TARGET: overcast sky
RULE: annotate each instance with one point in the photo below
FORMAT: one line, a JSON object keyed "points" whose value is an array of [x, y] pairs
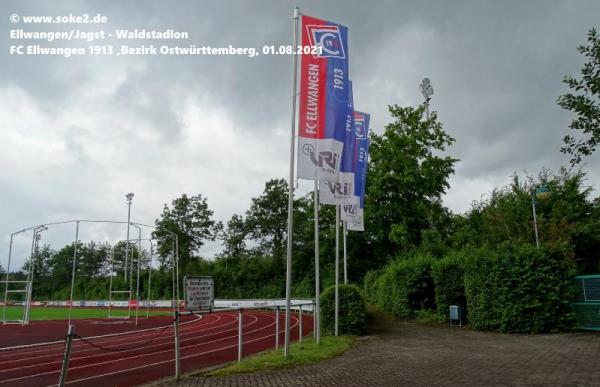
{"points": [[77, 134]]}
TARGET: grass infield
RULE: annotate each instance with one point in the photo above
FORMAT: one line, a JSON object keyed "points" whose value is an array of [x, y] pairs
{"points": [[50, 313], [301, 354]]}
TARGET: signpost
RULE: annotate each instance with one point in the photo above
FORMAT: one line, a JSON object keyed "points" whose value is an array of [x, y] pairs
{"points": [[199, 292]]}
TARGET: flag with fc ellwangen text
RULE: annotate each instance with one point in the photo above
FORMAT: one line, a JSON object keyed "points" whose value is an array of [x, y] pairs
{"points": [[342, 191], [324, 97], [353, 213]]}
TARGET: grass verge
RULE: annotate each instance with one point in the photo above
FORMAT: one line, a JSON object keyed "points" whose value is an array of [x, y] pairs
{"points": [[49, 313], [301, 354]]}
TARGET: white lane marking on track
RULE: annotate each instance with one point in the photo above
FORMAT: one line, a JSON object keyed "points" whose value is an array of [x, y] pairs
{"points": [[78, 344], [135, 357], [62, 342], [99, 354], [184, 357], [140, 356]]}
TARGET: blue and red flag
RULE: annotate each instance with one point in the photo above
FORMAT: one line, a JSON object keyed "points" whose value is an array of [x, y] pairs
{"points": [[353, 212], [342, 191], [324, 99]]}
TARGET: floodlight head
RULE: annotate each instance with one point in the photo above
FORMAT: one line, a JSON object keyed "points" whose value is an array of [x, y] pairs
{"points": [[39, 229], [426, 88], [129, 196]]}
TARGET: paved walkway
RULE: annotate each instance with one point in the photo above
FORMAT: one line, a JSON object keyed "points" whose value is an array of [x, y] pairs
{"points": [[402, 353]]}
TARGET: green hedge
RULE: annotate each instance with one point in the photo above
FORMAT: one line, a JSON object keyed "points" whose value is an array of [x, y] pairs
{"points": [[448, 276], [513, 288], [404, 287], [370, 283], [352, 312], [521, 289]]}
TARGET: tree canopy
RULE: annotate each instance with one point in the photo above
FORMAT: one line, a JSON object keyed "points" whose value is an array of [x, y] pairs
{"points": [[266, 220], [584, 101], [191, 220], [407, 173]]}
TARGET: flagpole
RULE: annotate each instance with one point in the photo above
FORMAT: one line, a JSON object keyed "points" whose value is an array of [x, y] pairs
{"points": [[317, 312], [288, 277], [337, 268], [345, 231]]}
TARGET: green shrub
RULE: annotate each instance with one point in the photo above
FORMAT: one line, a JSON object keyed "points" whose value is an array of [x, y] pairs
{"points": [[449, 279], [521, 289], [382, 287], [370, 286], [481, 280], [405, 287], [352, 310], [432, 243], [305, 288]]}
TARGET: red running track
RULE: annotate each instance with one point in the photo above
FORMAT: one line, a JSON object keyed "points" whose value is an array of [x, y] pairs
{"points": [[204, 342], [46, 331]]}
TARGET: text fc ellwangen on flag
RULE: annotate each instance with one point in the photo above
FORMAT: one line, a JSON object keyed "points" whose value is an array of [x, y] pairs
{"points": [[333, 140]]}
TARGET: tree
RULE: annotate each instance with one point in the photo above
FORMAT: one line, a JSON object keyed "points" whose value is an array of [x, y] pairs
{"points": [[116, 263], [189, 218], [41, 260], [61, 263], [43, 283], [94, 259], [266, 220], [234, 237], [405, 179], [567, 219], [585, 102]]}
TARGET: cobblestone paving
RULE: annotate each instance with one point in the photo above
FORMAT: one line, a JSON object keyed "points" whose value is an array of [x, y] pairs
{"points": [[406, 354]]}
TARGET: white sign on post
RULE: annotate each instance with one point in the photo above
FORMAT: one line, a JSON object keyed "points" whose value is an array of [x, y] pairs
{"points": [[199, 292]]}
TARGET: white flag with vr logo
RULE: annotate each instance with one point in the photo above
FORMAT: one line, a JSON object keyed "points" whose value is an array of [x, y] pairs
{"points": [[353, 211]]}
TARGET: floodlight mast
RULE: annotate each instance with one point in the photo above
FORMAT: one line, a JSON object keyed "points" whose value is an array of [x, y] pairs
{"points": [[133, 255], [139, 256], [129, 197], [149, 279], [427, 91]]}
